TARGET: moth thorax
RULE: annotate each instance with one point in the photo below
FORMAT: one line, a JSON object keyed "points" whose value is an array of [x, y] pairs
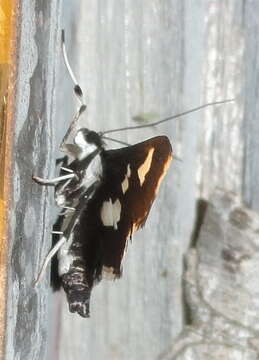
{"points": [[87, 141]]}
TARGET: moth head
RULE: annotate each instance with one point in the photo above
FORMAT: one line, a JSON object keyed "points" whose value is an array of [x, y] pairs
{"points": [[87, 141]]}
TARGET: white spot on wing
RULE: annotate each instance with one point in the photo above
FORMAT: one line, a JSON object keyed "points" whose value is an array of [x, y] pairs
{"points": [[110, 213], [125, 183], [107, 273], [145, 167]]}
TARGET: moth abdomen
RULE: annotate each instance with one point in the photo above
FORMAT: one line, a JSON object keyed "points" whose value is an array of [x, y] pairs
{"points": [[78, 290]]}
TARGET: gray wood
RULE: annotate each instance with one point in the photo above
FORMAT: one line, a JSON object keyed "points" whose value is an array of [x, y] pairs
{"points": [[131, 57], [220, 284], [30, 218], [249, 90]]}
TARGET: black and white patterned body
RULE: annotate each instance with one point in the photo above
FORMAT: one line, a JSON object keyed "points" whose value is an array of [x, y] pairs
{"points": [[110, 197]]}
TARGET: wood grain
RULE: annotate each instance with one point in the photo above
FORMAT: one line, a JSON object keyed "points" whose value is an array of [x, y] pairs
{"points": [[220, 285], [9, 12]]}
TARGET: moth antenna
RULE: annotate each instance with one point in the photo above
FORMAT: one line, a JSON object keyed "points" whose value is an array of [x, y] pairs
{"points": [[77, 88], [177, 158], [48, 258], [167, 118], [114, 140]]}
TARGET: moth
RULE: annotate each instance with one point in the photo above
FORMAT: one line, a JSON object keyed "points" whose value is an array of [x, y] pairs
{"points": [[105, 196]]}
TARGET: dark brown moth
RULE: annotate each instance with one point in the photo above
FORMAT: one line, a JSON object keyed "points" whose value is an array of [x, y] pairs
{"points": [[105, 196]]}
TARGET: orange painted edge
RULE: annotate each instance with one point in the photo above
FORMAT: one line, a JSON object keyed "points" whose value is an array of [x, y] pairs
{"points": [[6, 203]]}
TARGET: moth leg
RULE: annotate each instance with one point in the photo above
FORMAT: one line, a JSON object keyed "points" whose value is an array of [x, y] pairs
{"points": [[66, 169], [79, 94], [53, 181], [67, 211], [58, 245], [69, 208], [48, 258]]}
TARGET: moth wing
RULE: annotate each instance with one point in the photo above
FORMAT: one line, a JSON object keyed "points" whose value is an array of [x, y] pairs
{"points": [[121, 204]]}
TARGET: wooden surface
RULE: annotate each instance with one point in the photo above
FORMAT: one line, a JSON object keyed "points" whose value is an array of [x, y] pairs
{"points": [[9, 12], [30, 220], [220, 286], [131, 57]]}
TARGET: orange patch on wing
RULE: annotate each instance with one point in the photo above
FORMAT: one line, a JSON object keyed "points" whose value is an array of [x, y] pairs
{"points": [[145, 167], [135, 227]]}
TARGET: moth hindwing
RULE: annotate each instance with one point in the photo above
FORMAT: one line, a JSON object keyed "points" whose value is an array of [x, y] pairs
{"points": [[105, 196]]}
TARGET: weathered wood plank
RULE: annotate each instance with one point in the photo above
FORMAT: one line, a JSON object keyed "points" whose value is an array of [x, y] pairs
{"points": [[8, 66], [30, 216], [250, 95], [220, 285]]}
